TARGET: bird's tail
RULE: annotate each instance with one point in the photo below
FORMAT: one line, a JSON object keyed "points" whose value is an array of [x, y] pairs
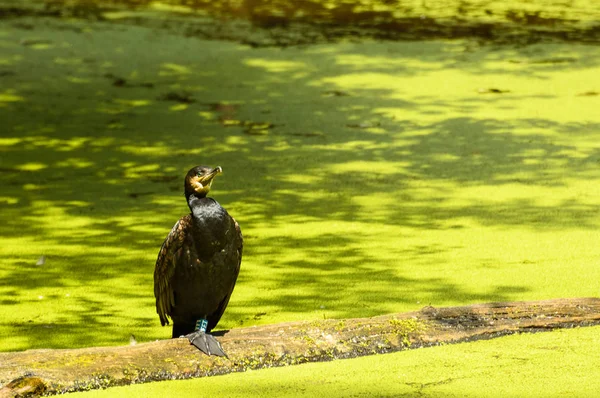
{"points": [[206, 343]]}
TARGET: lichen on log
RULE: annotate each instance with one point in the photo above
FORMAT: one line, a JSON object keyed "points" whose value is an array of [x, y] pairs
{"points": [[37, 372]]}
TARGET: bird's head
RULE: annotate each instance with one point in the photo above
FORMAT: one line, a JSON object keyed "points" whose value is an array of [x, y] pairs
{"points": [[199, 179]]}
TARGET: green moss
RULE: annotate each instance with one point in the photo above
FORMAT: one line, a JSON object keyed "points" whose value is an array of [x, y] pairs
{"points": [[308, 339], [341, 325], [406, 328]]}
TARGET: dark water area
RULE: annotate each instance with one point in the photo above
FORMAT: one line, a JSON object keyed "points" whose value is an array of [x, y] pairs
{"points": [[280, 23]]}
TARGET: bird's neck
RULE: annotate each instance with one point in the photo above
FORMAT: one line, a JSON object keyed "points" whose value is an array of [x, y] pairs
{"points": [[202, 207], [192, 195], [210, 224], [196, 201]]}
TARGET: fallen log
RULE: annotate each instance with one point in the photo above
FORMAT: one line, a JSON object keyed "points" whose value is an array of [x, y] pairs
{"points": [[37, 372]]}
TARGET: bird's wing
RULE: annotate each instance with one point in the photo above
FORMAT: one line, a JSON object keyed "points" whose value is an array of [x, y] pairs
{"points": [[165, 267], [214, 318], [241, 245]]}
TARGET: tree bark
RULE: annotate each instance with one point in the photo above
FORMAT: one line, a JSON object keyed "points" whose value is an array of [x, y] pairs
{"points": [[36, 372]]}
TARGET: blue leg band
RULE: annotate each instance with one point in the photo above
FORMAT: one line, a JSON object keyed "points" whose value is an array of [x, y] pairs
{"points": [[201, 325]]}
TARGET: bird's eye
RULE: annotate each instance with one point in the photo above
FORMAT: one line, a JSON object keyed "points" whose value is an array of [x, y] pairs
{"points": [[199, 175]]}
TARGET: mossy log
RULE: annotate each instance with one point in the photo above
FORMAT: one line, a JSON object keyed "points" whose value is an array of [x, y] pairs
{"points": [[37, 372]]}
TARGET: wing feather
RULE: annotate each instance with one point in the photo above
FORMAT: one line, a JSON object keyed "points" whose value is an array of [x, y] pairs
{"points": [[214, 318], [165, 268]]}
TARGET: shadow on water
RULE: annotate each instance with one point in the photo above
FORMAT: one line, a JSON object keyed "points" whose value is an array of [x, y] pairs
{"points": [[94, 148], [285, 23]]}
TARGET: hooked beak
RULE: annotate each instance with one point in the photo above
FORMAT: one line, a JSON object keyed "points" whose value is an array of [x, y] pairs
{"points": [[207, 178]]}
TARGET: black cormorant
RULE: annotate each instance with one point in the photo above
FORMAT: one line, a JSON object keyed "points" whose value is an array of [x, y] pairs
{"points": [[198, 265]]}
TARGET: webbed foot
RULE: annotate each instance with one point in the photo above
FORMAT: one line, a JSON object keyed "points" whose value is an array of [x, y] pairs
{"points": [[206, 343]]}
